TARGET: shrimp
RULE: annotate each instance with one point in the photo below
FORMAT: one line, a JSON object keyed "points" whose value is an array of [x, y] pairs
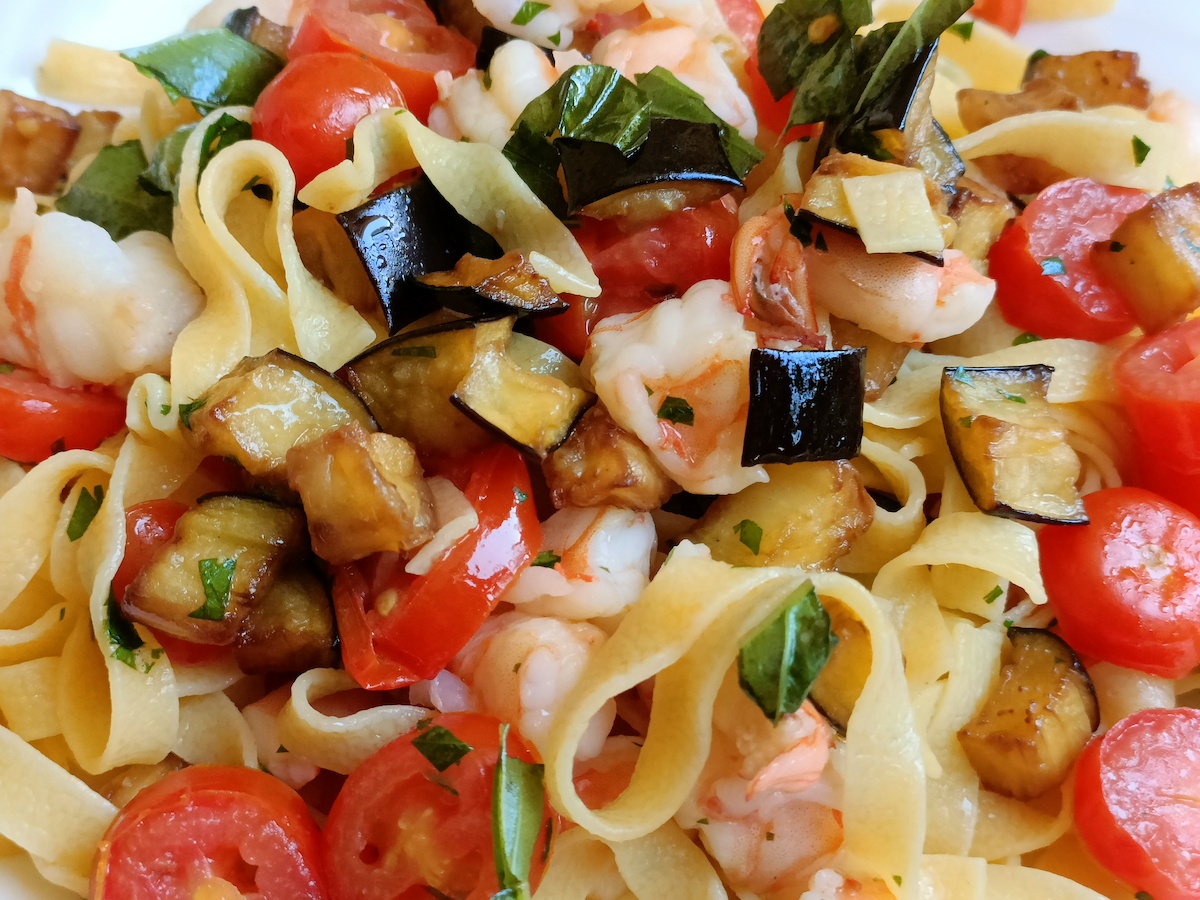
{"points": [[100, 312], [830, 884], [899, 297], [1175, 109], [520, 668], [764, 804], [263, 718], [677, 376], [604, 563], [694, 60]]}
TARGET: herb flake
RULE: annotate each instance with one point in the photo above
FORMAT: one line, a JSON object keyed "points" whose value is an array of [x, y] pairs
{"points": [[123, 639], [750, 534], [529, 11], [963, 30], [547, 559], [216, 575], [677, 410], [1140, 150], [1053, 265], [441, 747], [993, 595], [86, 507], [187, 410], [1027, 338]]}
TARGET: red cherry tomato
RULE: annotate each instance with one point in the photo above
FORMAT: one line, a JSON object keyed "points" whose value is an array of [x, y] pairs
{"points": [[1135, 801], [1006, 14], [1046, 281], [227, 822], [400, 827], [401, 37], [641, 264], [38, 419], [1159, 381], [310, 109], [398, 628], [1126, 587]]}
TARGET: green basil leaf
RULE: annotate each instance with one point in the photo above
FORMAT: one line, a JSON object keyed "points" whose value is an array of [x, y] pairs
{"points": [[224, 132], [441, 747], [529, 11], [777, 665], [787, 50], [163, 172], [187, 410], [123, 639], [677, 410], [536, 161], [85, 510], [217, 577], [211, 68], [110, 193], [670, 98], [518, 800]]}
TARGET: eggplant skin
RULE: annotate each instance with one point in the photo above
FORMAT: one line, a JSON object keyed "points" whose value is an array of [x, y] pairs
{"points": [[805, 405]]}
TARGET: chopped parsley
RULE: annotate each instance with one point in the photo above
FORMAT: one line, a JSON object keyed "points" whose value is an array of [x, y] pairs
{"points": [[86, 508], [1140, 150], [962, 376], [520, 495], [122, 637], [750, 534], [7, 368], [1027, 338], [966, 421], [1036, 56], [677, 410], [547, 559], [994, 594], [216, 575], [555, 39], [1008, 623], [1012, 398], [963, 29], [899, 881], [529, 11], [187, 410], [1053, 265], [441, 747]]}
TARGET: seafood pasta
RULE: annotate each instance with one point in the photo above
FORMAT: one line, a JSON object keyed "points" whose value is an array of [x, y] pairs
{"points": [[601, 450]]}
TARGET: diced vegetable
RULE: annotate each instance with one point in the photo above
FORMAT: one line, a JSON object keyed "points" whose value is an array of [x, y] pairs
{"points": [[290, 628], [1154, 258], [883, 357], [363, 493], [258, 29], [979, 108], [267, 405], [111, 194], [1034, 725], [981, 214], [505, 286], [226, 554], [601, 464], [805, 405], [1097, 77], [838, 686], [807, 516], [36, 140], [1007, 445]]}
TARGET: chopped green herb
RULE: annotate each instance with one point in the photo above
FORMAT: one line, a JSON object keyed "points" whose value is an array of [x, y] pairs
{"points": [[123, 639], [518, 798], [1008, 623], [85, 510], [520, 495], [529, 11], [703, 821], [899, 880], [225, 132], [547, 559], [110, 193], [1116, 247], [750, 534], [1037, 55], [251, 184], [1140, 150], [1169, 183], [162, 172], [426, 352], [962, 376], [994, 594], [441, 747], [486, 79], [1012, 398], [165, 409], [187, 410], [7, 368], [424, 724], [555, 39], [1027, 338], [963, 29], [677, 410], [966, 421], [778, 664], [217, 577], [1053, 265]]}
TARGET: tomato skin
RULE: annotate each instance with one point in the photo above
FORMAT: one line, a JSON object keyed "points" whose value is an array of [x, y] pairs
{"points": [[641, 264], [1126, 587], [432, 616], [35, 417], [1133, 801], [395, 829], [311, 107], [226, 821], [1159, 384], [353, 26], [1006, 14], [1064, 222]]}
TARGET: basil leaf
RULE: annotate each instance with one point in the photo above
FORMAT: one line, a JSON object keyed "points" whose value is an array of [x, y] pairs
{"points": [[217, 577], [750, 534], [790, 44], [123, 639], [670, 98], [211, 68], [163, 172], [529, 11], [110, 193], [224, 132], [777, 665], [827, 88], [441, 747], [535, 160], [518, 799], [85, 510], [187, 410], [677, 410]]}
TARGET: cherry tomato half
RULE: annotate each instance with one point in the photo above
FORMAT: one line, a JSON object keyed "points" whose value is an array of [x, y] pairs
{"points": [[1159, 381], [38, 419], [310, 109], [398, 628], [1126, 587], [1135, 805], [203, 822], [1006, 14], [401, 37], [1046, 281], [400, 826]]}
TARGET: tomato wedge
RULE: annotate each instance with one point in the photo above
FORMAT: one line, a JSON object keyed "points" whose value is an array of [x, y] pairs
{"points": [[401, 37], [206, 822], [1126, 586], [1006, 14], [38, 419], [398, 628], [402, 826], [1135, 801], [1159, 381], [1046, 281]]}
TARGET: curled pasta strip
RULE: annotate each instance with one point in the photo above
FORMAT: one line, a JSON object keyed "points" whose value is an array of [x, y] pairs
{"points": [[212, 731], [890, 533]]}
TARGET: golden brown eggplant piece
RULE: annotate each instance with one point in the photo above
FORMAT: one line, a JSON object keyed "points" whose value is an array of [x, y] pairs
{"points": [[290, 628], [1035, 723], [841, 681], [883, 360], [981, 214], [36, 141], [1097, 77]]}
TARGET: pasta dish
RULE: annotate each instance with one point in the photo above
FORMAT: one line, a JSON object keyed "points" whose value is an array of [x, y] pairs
{"points": [[601, 449]]}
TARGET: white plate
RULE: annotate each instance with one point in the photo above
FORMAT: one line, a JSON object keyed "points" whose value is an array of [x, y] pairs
{"points": [[1165, 32]]}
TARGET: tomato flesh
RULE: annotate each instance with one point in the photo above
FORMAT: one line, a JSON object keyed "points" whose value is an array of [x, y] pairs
{"points": [[38, 419], [234, 823], [311, 107], [1046, 280], [1126, 587], [1135, 807], [1006, 14], [400, 827]]}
